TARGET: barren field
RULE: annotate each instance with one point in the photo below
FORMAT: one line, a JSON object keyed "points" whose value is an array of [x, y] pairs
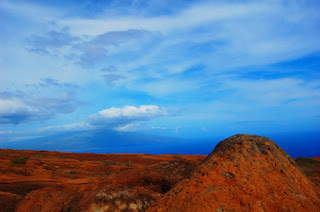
{"points": [[42, 180], [56, 181]]}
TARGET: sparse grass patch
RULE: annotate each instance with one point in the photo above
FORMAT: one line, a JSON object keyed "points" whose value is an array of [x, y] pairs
{"points": [[312, 175], [128, 163], [38, 156], [73, 172], [177, 157], [56, 167], [108, 173], [60, 156], [308, 164], [307, 161], [18, 161], [109, 163]]}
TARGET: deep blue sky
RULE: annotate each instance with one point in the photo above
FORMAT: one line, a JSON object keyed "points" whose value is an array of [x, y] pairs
{"points": [[184, 69]]}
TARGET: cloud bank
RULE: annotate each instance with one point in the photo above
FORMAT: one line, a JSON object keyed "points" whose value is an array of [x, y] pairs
{"points": [[16, 108], [120, 117]]}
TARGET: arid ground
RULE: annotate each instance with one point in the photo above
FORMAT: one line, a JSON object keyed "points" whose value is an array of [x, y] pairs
{"points": [[56, 181], [70, 181]]}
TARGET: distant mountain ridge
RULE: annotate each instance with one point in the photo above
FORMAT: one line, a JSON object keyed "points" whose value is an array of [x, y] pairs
{"points": [[303, 144], [95, 141]]}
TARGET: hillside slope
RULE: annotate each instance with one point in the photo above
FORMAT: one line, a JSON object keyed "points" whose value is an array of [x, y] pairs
{"points": [[243, 173]]}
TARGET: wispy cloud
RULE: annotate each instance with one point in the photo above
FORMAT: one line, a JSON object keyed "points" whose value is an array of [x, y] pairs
{"points": [[52, 40], [192, 16], [16, 108], [109, 69], [220, 36], [121, 117], [106, 44], [29, 11], [274, 92], [111, 79], [50, 82], [66, 128]]}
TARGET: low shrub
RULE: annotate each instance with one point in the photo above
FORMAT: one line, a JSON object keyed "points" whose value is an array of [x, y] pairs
{"points": [[18, 161], [38, 156], [128, 163], [45, 166], [109, 163]]}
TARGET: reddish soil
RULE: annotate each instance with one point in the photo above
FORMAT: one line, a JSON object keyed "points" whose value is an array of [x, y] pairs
{"points": [[244, 173], [55, 181]]}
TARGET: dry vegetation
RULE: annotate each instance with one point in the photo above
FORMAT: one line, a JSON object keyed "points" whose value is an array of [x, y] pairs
{"points": [[80, 182]]}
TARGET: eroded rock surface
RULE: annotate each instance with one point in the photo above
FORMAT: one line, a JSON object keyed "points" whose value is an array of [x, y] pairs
{"points": [[243, 173]]}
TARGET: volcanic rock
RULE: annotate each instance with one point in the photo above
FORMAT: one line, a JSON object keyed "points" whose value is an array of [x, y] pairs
{"points": [[243, 173]]}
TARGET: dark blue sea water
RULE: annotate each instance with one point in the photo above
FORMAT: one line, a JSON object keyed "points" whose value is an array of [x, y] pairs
{"points": [[306, 144], [297, 145]]}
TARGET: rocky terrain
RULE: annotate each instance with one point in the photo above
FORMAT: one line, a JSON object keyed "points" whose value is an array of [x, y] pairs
{"points": [[55, 181], [243, 173]]}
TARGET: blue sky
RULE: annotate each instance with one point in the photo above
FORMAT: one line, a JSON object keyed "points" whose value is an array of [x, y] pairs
{"points": [[185, 69]]}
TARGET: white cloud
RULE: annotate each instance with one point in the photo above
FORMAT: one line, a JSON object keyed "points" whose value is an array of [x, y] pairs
{"points": [[14, 111], [67, 127], [167, 87], [273, 92], [193, 16], [122, 117], [30, 11], [220, 36], [16, 108], [249, 33], [128, 128]]}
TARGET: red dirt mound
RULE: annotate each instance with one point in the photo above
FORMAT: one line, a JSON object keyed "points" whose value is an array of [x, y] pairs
{"points": [[243, 173]]}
